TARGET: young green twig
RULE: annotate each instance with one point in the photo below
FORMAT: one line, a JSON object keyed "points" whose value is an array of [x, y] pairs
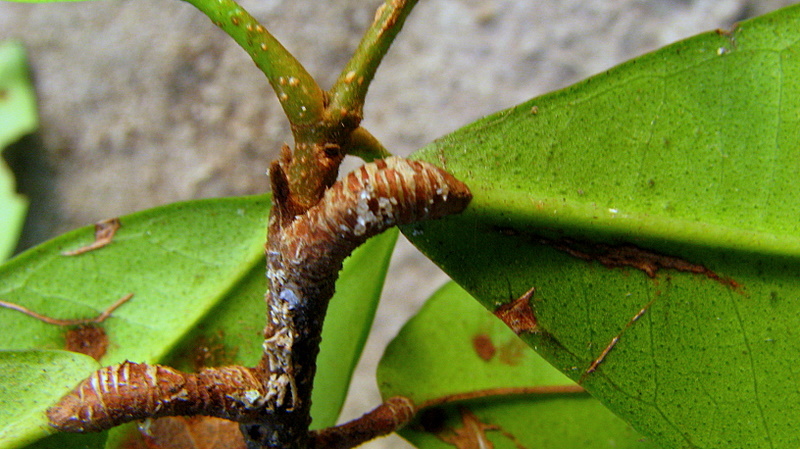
{"points": [[301, 98], [349, 91], [323, 129], [366, 146]]}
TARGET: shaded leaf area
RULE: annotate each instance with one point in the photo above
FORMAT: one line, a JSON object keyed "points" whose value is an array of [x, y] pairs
{"points": [[18, 117], [663, 190], [31, 381], [197, 272], [454, 346]]}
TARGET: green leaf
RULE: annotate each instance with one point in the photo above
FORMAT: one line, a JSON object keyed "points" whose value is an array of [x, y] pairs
{"points": [[664, 187], [179, 261], [347, 325], [30, 382], [18, 117], [197, 272], [454, 346]]}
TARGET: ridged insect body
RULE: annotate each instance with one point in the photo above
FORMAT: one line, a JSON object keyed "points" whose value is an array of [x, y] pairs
{"points": [[304, 256], [131, 391]]}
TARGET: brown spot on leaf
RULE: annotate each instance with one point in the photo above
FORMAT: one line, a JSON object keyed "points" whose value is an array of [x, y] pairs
{"points": [[87, 339], [3, 94], [518, 314], [649, 262], [209, 350], [484, 347], [512, 352], [191, 432], [103, 234]]}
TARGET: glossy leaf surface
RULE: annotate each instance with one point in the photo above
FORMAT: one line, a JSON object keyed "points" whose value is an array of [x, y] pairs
{"points": [[197, 273], [30, 382], [663, 190], [454, 346], [18, 117]]}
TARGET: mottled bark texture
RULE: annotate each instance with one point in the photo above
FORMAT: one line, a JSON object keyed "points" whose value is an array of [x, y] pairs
{"points": [[304, 255], [388, 417], [305, 252]]}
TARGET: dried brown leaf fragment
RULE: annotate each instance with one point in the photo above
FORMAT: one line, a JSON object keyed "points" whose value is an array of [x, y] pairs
{"points": [[104, 232]]}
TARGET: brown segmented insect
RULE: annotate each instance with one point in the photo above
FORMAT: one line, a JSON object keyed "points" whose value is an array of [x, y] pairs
{"points": [[303, 263], [364, 203], [131, 391]]}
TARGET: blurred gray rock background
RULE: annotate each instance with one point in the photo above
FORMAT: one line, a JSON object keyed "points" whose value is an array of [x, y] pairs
{"points": [[145, 102]]}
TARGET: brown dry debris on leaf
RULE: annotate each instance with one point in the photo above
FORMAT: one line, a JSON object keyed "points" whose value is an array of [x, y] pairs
{"points": [[518, 314], [593, 366], [649, 262], [87, 339], [57, 322], [104, 232], [472, 433]]}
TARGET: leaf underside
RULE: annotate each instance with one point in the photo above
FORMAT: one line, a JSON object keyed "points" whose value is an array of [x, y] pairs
{"points": [[197, 272], [663, 190], [455, 346]]}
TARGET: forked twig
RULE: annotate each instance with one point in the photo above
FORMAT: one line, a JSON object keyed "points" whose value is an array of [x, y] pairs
{"points": [[350, 90], [315, 223], [304, 256]]}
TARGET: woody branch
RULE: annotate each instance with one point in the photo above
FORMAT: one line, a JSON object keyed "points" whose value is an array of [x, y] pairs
{"points": [[305, 254], [315, 223]]}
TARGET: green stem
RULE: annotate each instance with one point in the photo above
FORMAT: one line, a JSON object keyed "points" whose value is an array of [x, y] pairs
{"points": [[348, 93], [300, 96], [366, 146]]}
